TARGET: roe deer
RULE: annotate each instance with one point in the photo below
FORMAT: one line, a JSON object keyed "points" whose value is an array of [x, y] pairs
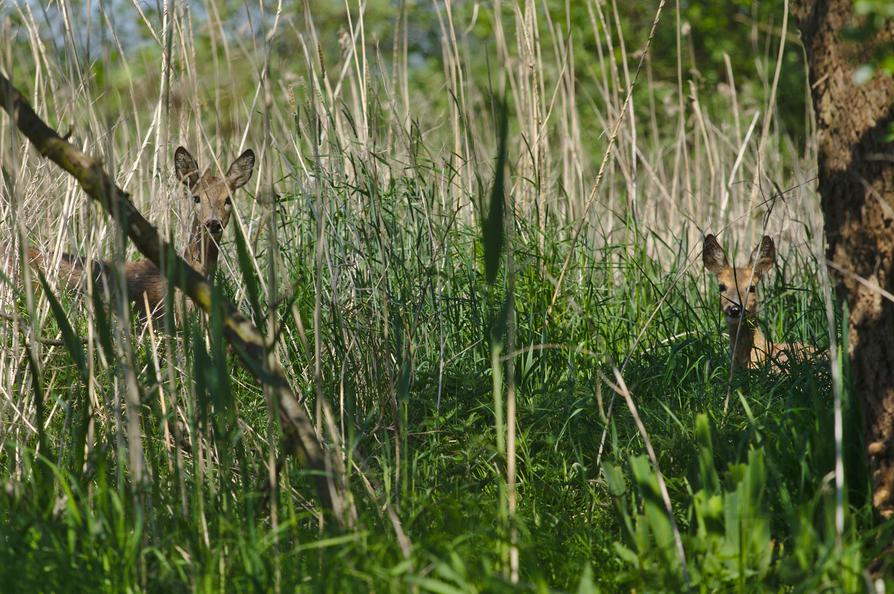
{"points": [[738, 302], [210, 198]]}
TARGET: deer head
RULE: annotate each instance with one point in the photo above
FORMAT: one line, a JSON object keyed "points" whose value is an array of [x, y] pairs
{"points": [[210, 198], [738, 286]]}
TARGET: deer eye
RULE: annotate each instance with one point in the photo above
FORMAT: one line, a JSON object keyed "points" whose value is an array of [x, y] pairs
{"points": [[228, 202], [722, 288], [196, 199], [752, 289]]}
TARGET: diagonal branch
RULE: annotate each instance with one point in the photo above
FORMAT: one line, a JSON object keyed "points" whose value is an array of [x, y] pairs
{"points": [[238, 330]]}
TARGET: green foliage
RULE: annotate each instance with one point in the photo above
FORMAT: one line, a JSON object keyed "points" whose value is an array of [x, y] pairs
{"points": [[875, 17], [731, 543], [747, 487], [394, 333], [872, 34], [745, 35]]}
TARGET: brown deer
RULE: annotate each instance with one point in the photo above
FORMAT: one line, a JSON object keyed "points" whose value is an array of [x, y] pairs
{"points": [[739, 304], [211, 199]]}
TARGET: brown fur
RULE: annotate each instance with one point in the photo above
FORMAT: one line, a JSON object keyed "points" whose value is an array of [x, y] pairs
{"points": [[739, 304], [210, 198]]}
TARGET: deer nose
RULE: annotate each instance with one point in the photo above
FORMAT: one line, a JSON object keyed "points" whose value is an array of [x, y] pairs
{"points": [[734, 310], [214, 226]]}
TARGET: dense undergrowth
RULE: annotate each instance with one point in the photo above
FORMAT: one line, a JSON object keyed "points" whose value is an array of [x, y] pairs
{"points": [[368, 258], [748, 483]]}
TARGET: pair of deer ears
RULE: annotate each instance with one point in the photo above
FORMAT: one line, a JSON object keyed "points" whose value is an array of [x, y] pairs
{"points": [[237, 175], [762, 259]]}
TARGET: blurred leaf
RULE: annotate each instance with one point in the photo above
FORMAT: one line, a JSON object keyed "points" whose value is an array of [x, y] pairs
{"points": [[39, 417], [201, 366], [246, 267], [653, 506], [493, 231], [103, 325], [436, 586], [586, 585], [626, 554], [864, 74], [707, 472], [614, 478]]}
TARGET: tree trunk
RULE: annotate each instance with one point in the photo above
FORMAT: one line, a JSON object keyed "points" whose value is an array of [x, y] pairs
{"points": [[856, 182]]}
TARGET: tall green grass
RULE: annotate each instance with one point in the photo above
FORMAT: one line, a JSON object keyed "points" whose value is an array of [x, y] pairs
{"points": [[368, 254]]}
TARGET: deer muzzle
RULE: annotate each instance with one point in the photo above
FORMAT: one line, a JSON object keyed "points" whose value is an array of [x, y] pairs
{"points": [[214, 227]]}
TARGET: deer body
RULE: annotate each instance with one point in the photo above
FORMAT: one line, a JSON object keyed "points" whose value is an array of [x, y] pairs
{"points": [[739, 304], [749, 346], [210, 197]]}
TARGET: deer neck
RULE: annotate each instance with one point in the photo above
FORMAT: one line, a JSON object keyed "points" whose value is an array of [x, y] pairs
{"points": [[202, 250], [747, 342]]}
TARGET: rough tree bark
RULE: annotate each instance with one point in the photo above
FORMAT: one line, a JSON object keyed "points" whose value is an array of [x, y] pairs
{"points": [[856, 183]]}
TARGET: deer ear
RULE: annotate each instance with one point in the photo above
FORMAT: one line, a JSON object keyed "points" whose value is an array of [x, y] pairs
{"points": [[764, 256], [240, 171], [186, 167], [713, 255]]}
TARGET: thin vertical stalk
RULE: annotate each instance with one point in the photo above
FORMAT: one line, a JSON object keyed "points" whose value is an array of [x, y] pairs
{"points": [[511, 462]]}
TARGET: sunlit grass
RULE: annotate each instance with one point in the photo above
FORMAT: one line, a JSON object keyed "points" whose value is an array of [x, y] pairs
{"points": [[364, 257]]}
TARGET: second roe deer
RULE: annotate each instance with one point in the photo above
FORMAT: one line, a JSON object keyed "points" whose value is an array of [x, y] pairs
{"points": [[739, 304], [210, 197]]}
